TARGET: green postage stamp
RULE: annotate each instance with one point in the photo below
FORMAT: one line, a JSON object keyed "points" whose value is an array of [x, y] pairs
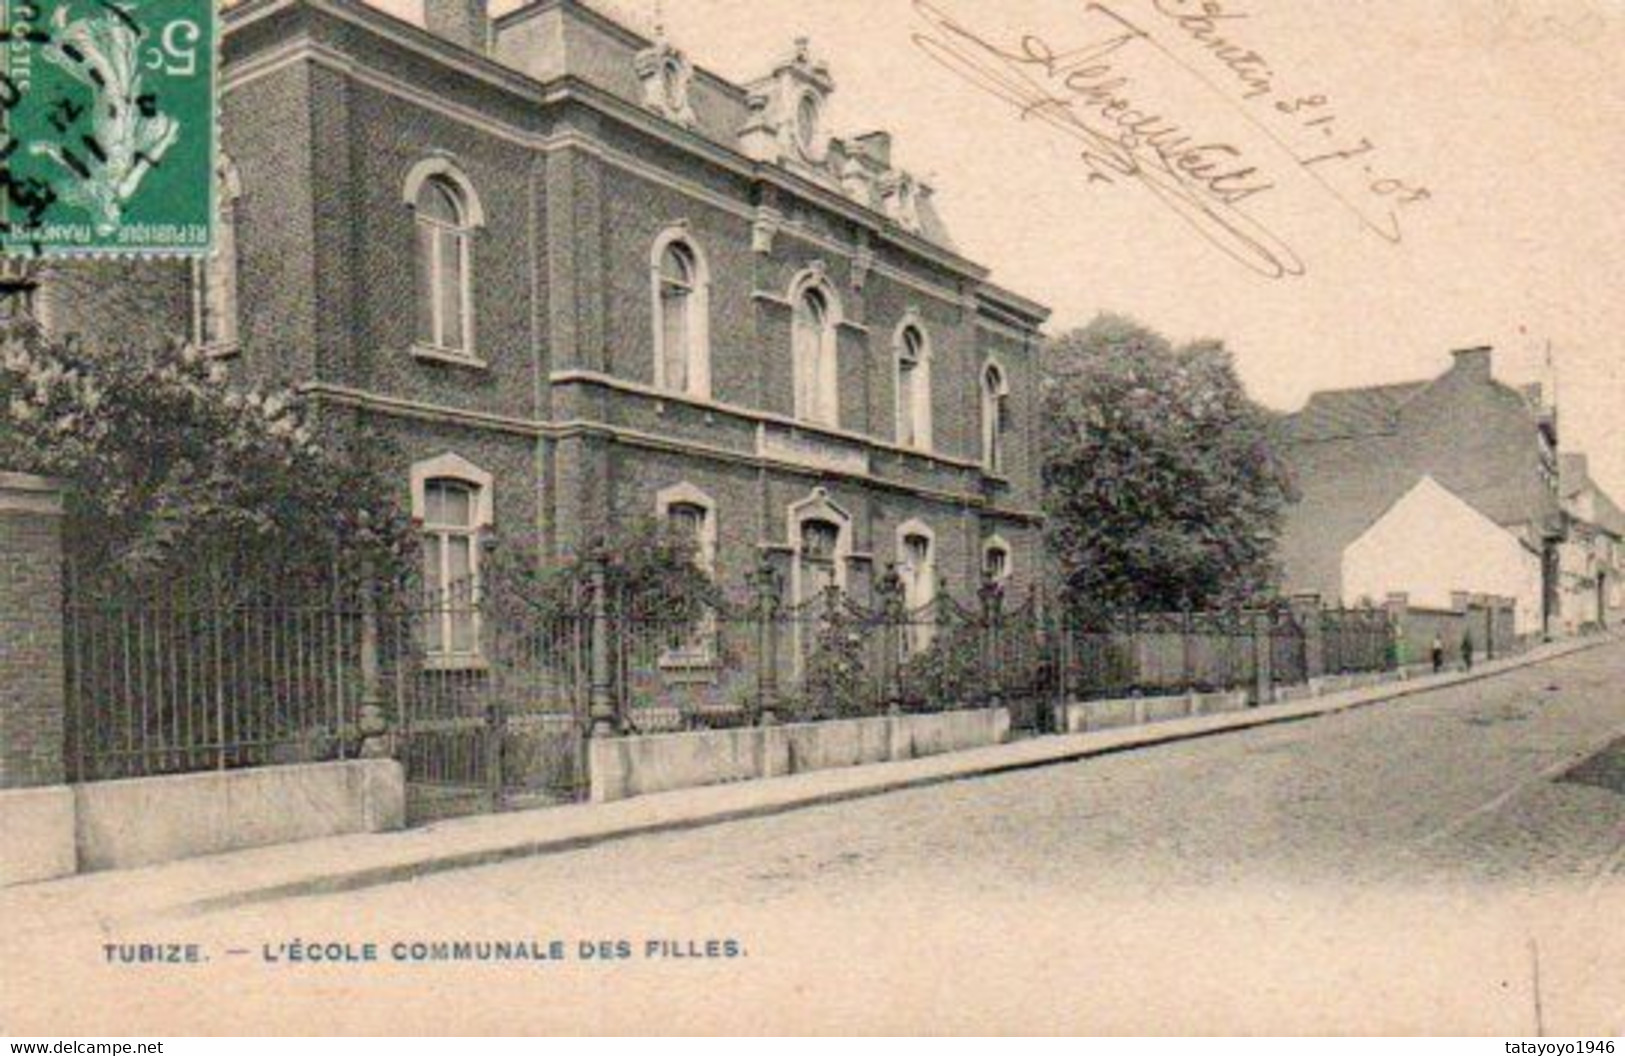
{"points": [[108, 109]]}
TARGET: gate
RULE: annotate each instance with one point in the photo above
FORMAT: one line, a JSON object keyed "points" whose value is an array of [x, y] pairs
{"points": [[1022, 665], [491, 699]]}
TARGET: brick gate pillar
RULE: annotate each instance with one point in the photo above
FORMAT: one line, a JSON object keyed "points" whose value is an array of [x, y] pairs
{"points": [[33, 698], [36, 808]]}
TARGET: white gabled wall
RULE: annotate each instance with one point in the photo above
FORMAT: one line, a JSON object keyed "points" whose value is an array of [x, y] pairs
{"points": [[1432, 543]]}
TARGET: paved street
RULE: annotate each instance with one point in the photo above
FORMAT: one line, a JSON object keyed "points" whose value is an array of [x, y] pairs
{"points": [[1449, 862]]}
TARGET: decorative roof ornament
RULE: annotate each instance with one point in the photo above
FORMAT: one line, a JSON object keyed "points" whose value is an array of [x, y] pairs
{"points": [[666, 75], [901, 195], [786, 122]]}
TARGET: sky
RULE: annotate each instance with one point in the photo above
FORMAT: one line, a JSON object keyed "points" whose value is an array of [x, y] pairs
{"points": [[1498, 122]]}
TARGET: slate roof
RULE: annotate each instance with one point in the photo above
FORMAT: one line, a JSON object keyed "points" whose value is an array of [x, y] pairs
{"points": [[1343, 413]]}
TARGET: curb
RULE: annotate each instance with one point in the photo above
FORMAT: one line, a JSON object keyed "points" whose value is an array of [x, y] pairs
{"points": [[1129, 739]]}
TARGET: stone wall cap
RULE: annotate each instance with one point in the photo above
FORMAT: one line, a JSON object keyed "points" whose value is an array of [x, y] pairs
{"points": [[28, 493]]}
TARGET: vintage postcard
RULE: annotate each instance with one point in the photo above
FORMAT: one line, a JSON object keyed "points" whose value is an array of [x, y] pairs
{"points": [[812, 516]]}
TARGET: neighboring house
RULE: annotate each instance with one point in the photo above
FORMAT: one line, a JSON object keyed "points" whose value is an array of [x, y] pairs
{"points": [[576, 279], [1357, 453], [1592, 564], [1432, 545]]}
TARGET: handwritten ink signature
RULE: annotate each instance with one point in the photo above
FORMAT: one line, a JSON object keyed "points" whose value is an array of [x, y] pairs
{"points": [[1080, 92], [1292, 117]]}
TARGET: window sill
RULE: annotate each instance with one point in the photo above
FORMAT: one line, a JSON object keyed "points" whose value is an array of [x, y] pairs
{"points": [[430, 354], [451, 662], [225, 350]]}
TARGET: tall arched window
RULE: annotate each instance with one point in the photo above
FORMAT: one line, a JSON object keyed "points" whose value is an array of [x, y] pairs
{"points": [[681, 313], [995, 412], [913, 388], [445, 231], [215, 277], [817, 364]]}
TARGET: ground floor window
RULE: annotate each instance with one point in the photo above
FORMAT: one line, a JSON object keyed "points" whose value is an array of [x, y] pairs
{"points": [[916, 567], [451, 504], [692, 516], [996, 562], [451, 566]]}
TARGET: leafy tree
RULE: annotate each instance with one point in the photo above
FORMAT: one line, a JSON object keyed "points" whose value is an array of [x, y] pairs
{"points": [[172, 469], [1161, 485]]}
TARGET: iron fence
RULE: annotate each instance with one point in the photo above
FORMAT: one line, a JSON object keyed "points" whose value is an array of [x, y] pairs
{"points": [[1149, 654], [1357, 640], [489, 693], [209, 673]]}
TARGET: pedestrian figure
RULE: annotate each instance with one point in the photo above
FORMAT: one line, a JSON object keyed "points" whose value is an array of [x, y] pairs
{"points": [[1438, 654], [1467, 650]]}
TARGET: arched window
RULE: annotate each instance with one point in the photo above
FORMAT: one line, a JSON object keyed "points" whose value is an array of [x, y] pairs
{"points": [[913, 388], [215, 277], [446, 217], [681, 313], [817, 363], [451, 502], [995, 412]]}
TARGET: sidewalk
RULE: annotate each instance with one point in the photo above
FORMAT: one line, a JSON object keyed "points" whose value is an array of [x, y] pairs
{"points": [[347, 863]]}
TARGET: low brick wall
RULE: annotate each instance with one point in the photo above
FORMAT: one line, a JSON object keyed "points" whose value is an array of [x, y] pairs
{"points": [[622, 767], [145, 820]]}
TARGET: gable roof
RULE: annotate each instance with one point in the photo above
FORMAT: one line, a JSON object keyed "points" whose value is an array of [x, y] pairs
{"points": [[1341, 413]]}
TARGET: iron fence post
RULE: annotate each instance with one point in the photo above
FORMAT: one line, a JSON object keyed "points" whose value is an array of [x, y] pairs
{"points": [[1187, 649], [991, 595], [1055, 624], [1263, 656], [601, 693], [894, 618], [371, 724], [766, 581]]}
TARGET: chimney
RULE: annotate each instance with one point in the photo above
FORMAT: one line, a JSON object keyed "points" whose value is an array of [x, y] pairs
{"points": [[464, 22], [1474, 362]]}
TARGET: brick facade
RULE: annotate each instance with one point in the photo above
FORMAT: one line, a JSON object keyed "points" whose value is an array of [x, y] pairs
{"points": [[31, 720], [329, 107], [1355, 453]]}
